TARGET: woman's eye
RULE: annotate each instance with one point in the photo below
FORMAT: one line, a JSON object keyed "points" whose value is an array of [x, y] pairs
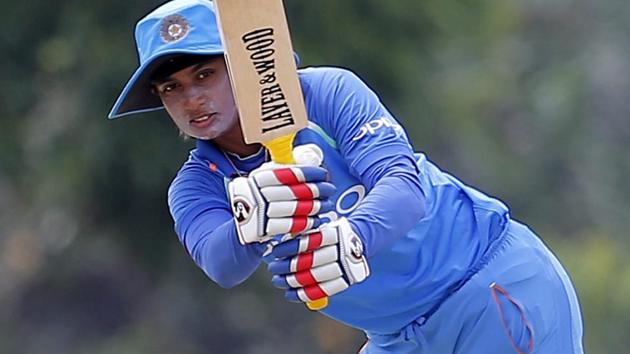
{"points": [[204, 74], [166, 88]]}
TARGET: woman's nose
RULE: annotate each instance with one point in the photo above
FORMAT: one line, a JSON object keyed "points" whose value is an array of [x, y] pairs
{"points": [[195, 97]]}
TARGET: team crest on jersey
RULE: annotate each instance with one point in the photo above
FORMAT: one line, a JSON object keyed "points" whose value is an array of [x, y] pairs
{"points": [[241, 208], [174, 28]]}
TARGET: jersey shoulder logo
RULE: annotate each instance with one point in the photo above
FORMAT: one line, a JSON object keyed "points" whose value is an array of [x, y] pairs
{"points": [[374, 126]]}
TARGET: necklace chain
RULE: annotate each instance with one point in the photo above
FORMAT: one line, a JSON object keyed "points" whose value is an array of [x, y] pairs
{"points": [[233, 165]]}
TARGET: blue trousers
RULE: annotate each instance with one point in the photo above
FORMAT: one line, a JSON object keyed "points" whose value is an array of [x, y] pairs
{"points": [[521, 302]]}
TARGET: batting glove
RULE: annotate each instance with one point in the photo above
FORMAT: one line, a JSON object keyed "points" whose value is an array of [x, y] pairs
{"points": [[320, 263], [279, 199]]}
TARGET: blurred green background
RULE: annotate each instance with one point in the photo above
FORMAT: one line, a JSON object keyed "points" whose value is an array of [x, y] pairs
{"points": [[528, 100]]}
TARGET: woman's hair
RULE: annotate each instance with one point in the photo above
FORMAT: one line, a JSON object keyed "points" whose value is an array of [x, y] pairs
{"points": [[175, 63]]}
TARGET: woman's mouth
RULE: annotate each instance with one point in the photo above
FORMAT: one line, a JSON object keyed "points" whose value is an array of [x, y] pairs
{"points": [[201, 121]]}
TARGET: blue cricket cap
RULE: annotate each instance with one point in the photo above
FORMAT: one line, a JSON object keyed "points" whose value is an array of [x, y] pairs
{"points": [[179, 27]]}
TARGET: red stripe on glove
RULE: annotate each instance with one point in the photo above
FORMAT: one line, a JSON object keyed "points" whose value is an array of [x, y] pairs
{"points": [[304, 262], [301, 191], [304, 207], [305, 278], [286, 176], [298, 225], [314, 292], [314, 241]]}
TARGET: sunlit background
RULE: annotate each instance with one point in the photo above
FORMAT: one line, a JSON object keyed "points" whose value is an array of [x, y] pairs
{"points": [[527, 100]]}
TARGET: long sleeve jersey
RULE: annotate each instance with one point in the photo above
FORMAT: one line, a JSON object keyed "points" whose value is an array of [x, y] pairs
{"points": [[424, 231]]}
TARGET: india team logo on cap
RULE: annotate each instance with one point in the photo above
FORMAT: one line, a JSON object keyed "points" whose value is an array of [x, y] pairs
{"points": [[173, 28]]}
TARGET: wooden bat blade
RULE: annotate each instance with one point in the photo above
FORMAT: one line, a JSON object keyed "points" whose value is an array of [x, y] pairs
{"points": [[262, 68]]}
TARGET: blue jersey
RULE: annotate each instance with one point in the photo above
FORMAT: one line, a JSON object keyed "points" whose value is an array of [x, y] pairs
{"points": [[425, 232]]}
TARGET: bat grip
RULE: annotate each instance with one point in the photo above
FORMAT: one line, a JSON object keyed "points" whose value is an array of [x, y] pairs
{"points": [[281, 150], [318, 304]]}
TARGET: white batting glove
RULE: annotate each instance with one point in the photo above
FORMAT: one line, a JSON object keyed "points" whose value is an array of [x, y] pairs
{"points": [[279, 199], [320, 263]]}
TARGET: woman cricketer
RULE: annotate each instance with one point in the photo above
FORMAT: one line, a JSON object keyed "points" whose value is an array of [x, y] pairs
{"points": [[419, 261]]}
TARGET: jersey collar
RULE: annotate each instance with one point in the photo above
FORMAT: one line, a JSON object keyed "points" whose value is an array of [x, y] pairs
{"points": [[208, 151]]}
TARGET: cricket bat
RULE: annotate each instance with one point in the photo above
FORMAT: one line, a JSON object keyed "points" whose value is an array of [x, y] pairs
{"points": [[264, 79]]}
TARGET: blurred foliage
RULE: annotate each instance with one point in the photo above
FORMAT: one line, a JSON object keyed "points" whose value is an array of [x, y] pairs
{"points": [[527, 100]]}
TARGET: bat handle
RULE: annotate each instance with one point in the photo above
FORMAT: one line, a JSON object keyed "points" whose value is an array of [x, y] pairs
{"points": [[318, 304], [281, 150]]}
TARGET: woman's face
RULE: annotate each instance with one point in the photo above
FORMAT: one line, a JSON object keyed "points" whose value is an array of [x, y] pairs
{"points": [[199, 100]]}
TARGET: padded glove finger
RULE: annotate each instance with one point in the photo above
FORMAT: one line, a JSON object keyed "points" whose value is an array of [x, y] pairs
{"points": [[303, 191], [316, 291], [294, 225], [304, 261], [308, 277], [305, 243], [289, 176], [298, 208]]}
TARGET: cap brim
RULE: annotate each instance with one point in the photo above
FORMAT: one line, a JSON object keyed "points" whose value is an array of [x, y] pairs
{"points": [[136, 96]]}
